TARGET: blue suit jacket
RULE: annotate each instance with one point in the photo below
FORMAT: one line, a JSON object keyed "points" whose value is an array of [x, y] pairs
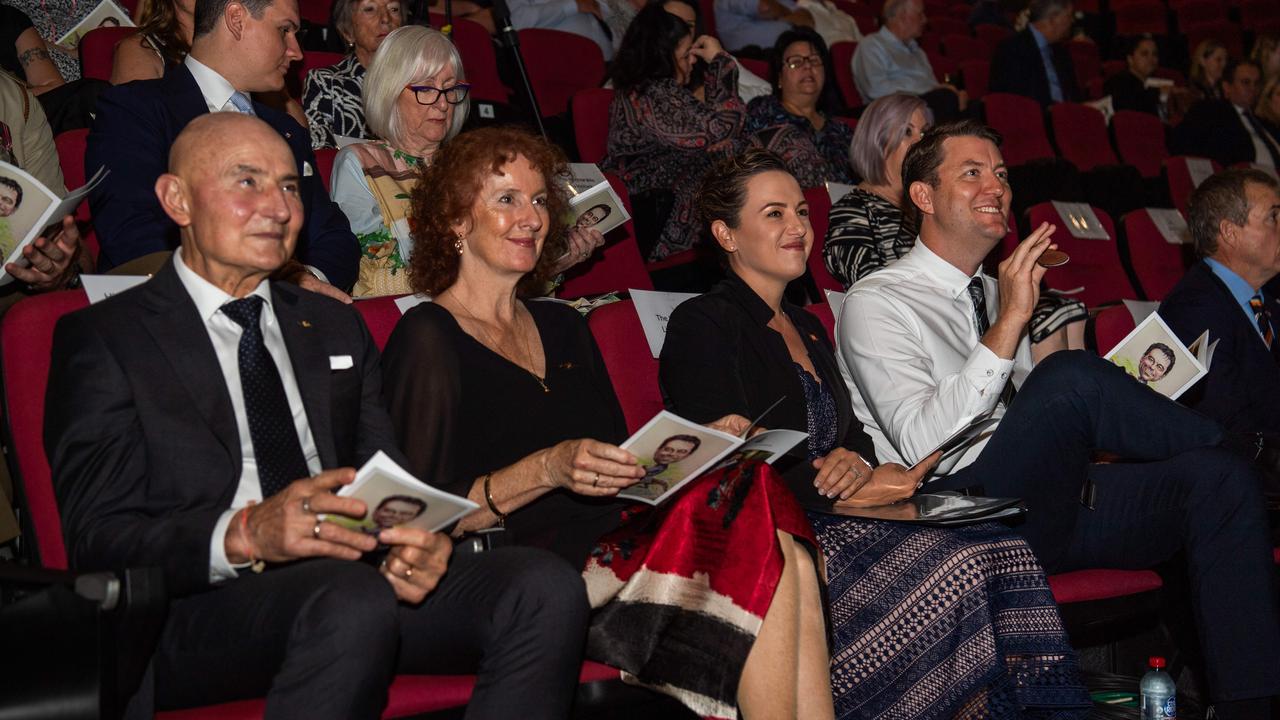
{"points": [[137, 123], [1242, 389]]}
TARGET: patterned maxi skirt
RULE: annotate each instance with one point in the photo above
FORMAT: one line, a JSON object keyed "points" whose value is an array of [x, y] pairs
{"points": [[943, 623], [679, 593]]}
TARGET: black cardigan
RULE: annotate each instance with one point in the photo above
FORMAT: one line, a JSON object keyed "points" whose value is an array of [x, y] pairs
{"points": [[720, 357]]}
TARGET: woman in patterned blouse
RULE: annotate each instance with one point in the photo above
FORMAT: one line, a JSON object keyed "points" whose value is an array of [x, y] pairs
{"points": [[415, 98], [794, 122], [663, 137], [331, 96]]}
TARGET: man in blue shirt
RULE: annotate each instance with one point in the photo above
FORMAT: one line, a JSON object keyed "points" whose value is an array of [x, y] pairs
{"points": [[580, 17], [1232, 293], [1034, 63], [891, 61]]}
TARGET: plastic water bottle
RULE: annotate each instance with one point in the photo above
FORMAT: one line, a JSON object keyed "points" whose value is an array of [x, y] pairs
{"points": [[1159, 696]]}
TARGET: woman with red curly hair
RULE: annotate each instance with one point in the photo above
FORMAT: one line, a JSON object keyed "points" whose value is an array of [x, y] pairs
{"points": [[711, 598]]}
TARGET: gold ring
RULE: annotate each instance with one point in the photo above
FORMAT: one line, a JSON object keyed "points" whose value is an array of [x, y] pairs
{"points": [[306, 504], [408, 572], [315, 531], [596, 482]]}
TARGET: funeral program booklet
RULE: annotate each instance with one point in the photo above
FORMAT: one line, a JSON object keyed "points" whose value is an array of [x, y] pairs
{"points": [[674, 451], [396, 498], [28, 210]]}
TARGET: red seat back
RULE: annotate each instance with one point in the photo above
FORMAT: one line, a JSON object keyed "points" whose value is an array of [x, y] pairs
{"points": [[380, 315], [324, 165], [1081, 132], [1095, 264], [1141, 16], [316, 11], [479, 61], [1256, 13], [1158, 263], [819, 210], [560, 64], [618, 265], [1087, 585], [26, 345], [842, 60], [1140, 139], [992, 35], [1199, 11], [632, 368], [707, 13], [1180, 182], [1086, 59], [1110, 326], [826, 316], [1224, 31], [1021, 121], [97, 50], [71, 147], [946, 25], [759, 68], [977, 77], [963, 47], [590, 109]]}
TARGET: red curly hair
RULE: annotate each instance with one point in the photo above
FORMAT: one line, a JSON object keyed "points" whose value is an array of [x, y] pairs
{"points": [[450, 187]]}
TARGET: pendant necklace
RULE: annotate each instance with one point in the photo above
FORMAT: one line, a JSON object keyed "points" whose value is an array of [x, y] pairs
{"points": [[496, 347]]}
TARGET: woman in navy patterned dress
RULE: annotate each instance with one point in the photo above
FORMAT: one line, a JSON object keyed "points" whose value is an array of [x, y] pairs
{"points": [[331, 96], [926, 622]]}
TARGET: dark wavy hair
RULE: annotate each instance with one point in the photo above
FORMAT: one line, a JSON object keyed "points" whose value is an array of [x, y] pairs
{"points": [[829, 101], [648, 48], [450, 188], [158, 26]]}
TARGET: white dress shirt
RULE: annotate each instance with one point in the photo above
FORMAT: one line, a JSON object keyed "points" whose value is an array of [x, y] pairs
{"points": [[1261, 153], [910, 354], [217, 90], [225, 334]]}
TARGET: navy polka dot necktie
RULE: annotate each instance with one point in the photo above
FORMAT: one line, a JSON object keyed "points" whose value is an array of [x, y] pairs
{"points": [[275, 439]]}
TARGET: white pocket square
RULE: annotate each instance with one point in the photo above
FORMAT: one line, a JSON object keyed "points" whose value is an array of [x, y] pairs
{"points": [[340, 362], [306, 169]]}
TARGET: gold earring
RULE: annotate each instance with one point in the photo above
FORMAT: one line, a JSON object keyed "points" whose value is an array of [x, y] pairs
{"points": [[457, 244]]}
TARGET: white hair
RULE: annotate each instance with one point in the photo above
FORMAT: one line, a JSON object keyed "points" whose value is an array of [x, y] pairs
{"points": [[407, 54]]}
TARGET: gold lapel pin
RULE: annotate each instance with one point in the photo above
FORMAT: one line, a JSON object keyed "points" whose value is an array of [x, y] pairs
{"points": [[305, 323]]}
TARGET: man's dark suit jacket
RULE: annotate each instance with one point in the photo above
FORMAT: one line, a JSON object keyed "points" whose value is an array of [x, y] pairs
{"points": [[140, 431], [1242, 390], [1213, 128], [1018, 68], [137, 123]]}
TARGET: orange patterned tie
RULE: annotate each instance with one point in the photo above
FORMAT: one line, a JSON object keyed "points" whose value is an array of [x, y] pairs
{"points": [[1263, 317]]}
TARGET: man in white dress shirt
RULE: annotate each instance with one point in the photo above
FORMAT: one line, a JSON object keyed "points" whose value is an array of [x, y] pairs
{"points": [[930, 344], [199, 423]]}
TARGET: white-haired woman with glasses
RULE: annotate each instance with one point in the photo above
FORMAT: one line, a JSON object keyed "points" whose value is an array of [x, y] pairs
{"points": [[415, 99]]}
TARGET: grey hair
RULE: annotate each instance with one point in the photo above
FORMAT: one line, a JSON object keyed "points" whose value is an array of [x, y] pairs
{"points": [[340, 15], [893, 7], [1222, 197], [1044, 9], [881, 128], [408, 53]]}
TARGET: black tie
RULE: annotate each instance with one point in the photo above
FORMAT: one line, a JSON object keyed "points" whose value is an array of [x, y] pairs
{"points": [[1267, 141], [275, 439], [978, 294]]}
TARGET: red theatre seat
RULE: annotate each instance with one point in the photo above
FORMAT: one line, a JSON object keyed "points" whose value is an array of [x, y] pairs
{"points": [[1181, 182], [1089, 585], [1222, 30], [618, 265], [380, 315], [97, 51], [1110, 326], [842, 59], [481, 62], [632, 367], [590, 110], [819, 211], [1157, 263], [977, 77], [1095, 264], [1081, 134], [560, 64], [1140, 140], [1021, 121], [964, 47], [1141, 16], [325, 158], [1086, 59]]}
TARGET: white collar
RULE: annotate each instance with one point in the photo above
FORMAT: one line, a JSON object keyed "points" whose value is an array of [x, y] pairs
{"points": [[216, 89], [208, 297], [944, 274]]}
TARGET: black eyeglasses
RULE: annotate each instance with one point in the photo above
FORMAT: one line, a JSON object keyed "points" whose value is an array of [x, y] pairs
{"points": [[798, 61], [427, 95]]}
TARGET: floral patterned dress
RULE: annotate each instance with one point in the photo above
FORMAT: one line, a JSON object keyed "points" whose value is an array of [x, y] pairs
{"points": [[372, 183]]}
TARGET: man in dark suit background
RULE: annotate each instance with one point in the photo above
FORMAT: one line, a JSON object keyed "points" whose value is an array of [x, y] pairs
{"points": [[1034, 63], [1227, 130], [1233, 219], [240, 47], [199, 422]]}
